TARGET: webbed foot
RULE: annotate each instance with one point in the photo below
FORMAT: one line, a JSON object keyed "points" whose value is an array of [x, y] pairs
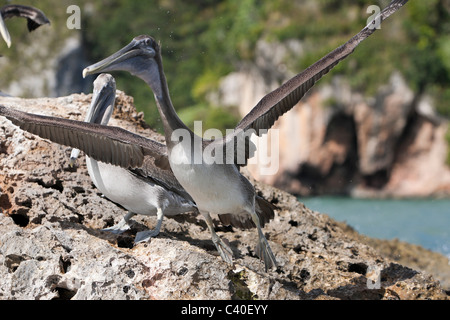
{"points": [[145, 236], [122, 226], [223, 248], [264, 252]]}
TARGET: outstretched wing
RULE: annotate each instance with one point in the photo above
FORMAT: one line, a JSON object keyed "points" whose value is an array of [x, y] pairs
{"points": [[108, 144], [281, 100]]}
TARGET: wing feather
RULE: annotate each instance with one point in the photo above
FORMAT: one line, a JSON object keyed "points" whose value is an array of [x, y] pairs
{"points": [[283, 99], [35, 17], [263, 116], [108, 144]]}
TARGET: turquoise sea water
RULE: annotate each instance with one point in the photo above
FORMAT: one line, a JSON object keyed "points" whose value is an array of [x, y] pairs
{"points": [[422, 222]]}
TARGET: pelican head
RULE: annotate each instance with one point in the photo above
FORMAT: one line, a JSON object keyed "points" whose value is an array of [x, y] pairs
{"points": [[102, 105], [141, 57]]}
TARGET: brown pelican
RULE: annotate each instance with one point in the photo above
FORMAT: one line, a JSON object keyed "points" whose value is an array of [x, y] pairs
{"points": [[35, 18], [138, 185], [137, 192], [215, 184]]}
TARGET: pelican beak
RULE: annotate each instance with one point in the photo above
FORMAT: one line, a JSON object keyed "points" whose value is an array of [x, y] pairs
{"points": [[98, 107], [4, 32], [114, 61]]}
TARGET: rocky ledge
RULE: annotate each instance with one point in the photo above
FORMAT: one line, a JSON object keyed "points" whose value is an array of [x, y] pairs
{"points": [[52, 246]]}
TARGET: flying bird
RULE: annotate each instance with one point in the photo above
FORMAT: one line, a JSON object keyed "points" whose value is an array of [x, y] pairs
{"points": [[35, 18]]}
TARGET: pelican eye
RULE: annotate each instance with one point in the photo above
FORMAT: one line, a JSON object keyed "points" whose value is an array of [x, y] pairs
{"points": [[148, 42]]}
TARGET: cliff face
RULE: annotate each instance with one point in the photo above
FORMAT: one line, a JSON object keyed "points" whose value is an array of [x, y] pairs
{"points": [[337, 141], [51, 245]]}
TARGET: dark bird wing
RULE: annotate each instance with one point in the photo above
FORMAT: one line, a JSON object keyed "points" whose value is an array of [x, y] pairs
{"points": [[35, 17], [263, 208], [108, 144], [162, 177], [275, 104]]}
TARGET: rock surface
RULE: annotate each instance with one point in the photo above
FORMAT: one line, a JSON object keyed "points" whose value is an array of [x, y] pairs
{"points": [[52, 246]]}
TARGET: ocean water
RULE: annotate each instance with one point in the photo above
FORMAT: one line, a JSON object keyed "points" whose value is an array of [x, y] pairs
{"points": [[417, 221]]}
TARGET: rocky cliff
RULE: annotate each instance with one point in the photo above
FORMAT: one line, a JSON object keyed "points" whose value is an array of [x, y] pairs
{"points": [[51, 246], [339, 141]]}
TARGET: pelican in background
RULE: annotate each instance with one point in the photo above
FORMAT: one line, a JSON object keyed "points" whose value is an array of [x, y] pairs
{"points": [[218, 186], [138, 185], [35, 18]]}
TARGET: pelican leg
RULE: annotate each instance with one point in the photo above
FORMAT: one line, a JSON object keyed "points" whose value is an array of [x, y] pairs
{"points": [[263, 250], [224, 250], [145, 236], [122, 226]]}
